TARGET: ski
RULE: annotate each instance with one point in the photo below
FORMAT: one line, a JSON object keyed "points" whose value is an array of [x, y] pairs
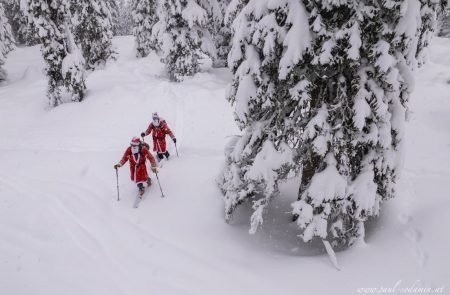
{"points": [[137, 201], [162, 162], [139, 198]]}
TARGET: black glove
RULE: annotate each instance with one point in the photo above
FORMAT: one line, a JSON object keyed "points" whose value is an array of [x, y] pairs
{"points": [[174, 140], [143, 134], [117, 166]]}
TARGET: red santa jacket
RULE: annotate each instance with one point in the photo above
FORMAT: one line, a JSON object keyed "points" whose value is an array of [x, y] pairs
{"points": [[138, 167], [159, 135]]}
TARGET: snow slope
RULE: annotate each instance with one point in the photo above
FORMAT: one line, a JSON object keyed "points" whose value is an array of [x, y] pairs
{"points": [[62, 230]]}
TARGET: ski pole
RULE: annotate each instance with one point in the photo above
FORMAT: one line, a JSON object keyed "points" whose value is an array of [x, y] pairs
{"points": [[159, 184], [117, 180], [176, 149]]}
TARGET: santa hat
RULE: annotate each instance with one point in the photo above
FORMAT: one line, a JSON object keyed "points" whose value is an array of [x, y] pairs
{"points": [[135, 141]]}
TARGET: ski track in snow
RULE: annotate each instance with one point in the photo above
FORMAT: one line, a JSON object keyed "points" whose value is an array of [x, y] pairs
{"points": [[411, 233], [63, 232]]}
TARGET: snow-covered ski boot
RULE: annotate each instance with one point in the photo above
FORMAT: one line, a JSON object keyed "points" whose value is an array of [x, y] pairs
{"points": [[141, 189]]}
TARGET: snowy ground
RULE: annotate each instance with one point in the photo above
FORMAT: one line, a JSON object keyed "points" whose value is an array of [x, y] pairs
{"points": [[63, 232]]}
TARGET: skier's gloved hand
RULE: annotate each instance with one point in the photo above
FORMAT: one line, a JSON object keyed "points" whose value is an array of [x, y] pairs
{"points": [[117, 166], [174, 140], [143, 134], [154, 170]]}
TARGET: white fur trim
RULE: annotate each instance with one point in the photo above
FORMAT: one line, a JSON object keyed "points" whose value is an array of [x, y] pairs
{"points": [[136, 165]]}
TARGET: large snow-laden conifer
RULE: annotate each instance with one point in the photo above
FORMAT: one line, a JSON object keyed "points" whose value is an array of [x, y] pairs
{"points": [[73, 68], [220, 31], [113, 7], [23, 32], [182, 29], [144, 13], [123, 22], [6, 36], [444, 23], [6, 40], [330, 80], [93, 30], [64, 62], [353, 127], [224, 14], [265, 109]]}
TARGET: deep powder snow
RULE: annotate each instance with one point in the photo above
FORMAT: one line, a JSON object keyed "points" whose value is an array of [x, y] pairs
{"points": [[62, 230]]}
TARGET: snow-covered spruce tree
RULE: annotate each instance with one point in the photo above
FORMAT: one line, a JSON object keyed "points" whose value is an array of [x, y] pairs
{"points": [[6, 35], [73, 66], [223, 36], [430, 13], [13, 13], [353, 127], [64, 63], [220, 31], [144, 13], [24, 33], [338, 90], [444, 24], [268, 37], [6, 40], [185, 37], [92, 21], [123, 22], [224, 13], [113, 7]]}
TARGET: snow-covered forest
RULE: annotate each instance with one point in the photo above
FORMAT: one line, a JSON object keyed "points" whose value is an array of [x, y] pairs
{"points": [[224, 147]]}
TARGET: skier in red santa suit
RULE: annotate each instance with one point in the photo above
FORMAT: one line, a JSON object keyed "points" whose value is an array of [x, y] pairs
{"points": [[137, 154], [159, 129]]}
